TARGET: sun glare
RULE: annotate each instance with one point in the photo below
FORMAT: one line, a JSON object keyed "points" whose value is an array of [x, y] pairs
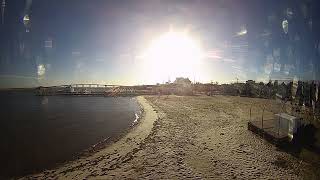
{"points": [[171, 55]]}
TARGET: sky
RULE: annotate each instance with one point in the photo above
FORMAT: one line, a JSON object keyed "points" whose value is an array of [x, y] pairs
{"points": [[105, 41]]}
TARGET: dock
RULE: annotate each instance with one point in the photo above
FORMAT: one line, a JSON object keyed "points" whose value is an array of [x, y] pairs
{"points": [[95, 90]]}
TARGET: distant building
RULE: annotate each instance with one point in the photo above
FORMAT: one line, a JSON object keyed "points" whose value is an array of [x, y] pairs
{"points": [[185, 82], [182, 86], [250, 82]]}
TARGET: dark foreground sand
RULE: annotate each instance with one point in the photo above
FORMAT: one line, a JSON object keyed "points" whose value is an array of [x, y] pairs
{"points": [[195, 137]]}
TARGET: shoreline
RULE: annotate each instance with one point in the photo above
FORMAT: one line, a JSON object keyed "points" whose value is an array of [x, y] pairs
{"points": [[191, 137], [122, 144], [110, 140], [46, 132]]}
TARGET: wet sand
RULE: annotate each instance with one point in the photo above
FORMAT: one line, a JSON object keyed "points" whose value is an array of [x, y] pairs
{"points": [[196, 137]]}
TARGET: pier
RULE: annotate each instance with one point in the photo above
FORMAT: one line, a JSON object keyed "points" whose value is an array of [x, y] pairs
{"points": [[95, 90]]}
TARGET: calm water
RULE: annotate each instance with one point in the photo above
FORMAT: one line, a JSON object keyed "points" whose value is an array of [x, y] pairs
{"points": [[37, 132]]}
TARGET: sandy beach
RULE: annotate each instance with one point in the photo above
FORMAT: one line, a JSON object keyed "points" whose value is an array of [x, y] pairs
{"points": [[195, 137]]}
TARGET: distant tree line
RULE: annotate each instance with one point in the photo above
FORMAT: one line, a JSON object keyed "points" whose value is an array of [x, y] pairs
{"points": [[302, 93]]}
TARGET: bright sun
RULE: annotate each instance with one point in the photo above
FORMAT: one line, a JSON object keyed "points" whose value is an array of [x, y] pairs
{"points": [[171, 55]]}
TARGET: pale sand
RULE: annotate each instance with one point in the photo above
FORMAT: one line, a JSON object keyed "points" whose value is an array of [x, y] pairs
{"points": [[189, 137]]}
